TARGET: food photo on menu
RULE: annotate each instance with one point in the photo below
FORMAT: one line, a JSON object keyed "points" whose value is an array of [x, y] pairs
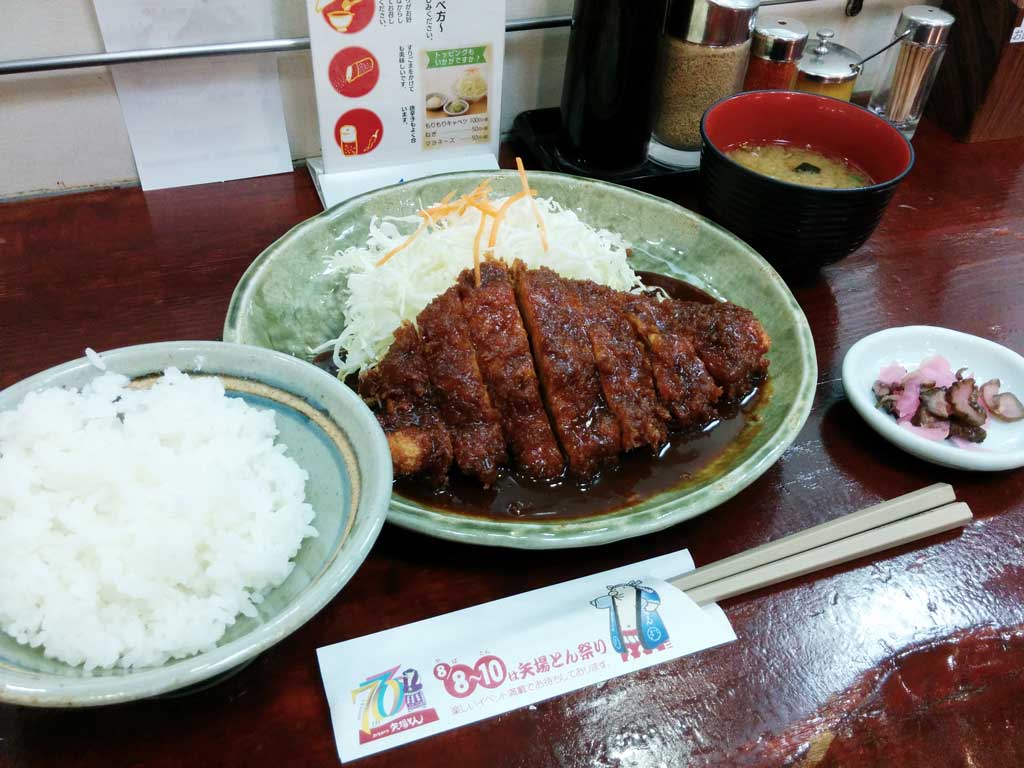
{"points": [[427, 383], [456, 105]]}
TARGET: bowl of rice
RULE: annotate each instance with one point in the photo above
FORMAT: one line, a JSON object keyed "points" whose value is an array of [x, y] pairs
{"points": [[169, 511]]}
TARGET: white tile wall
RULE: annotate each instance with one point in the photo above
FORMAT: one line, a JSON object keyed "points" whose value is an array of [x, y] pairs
{"points": [[63, 130]]}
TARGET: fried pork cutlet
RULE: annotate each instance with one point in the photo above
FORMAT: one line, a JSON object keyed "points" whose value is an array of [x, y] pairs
{"points": [[587, 430], [465, 405], [503, 354], [400, 385], [625, 373], [730, 341], [553, 372], [680, 378]]}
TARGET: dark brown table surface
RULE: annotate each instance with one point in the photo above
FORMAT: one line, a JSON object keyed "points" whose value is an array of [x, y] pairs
{"points": [[912, 657]]}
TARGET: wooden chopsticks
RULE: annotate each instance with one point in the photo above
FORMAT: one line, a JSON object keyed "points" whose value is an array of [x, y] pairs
{"points": [[889, 524]]}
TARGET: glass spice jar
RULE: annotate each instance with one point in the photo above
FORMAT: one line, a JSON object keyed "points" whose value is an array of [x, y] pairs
{"points": [[910, 67], [829, 68], [775, 48], [704, 55]]}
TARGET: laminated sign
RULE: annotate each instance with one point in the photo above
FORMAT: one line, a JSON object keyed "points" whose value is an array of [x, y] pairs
{"points": [[404, 81]]}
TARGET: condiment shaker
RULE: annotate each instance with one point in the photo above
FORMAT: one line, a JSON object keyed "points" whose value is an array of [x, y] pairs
{"points": [[703, 59], [608, 91], [776, 46], [829, 68], [910, 67]]}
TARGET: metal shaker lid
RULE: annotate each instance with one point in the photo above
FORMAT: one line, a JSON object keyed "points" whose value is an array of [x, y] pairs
{"points": [[778, 38], [712, 22], [829, 62], [926, 25]]}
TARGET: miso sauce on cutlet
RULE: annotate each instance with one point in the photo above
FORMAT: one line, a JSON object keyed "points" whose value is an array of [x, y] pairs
{"points": [[638, 476], [676, 289]]}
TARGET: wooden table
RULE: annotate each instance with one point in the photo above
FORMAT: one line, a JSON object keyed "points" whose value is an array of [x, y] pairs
{"points": [[908, 658]]}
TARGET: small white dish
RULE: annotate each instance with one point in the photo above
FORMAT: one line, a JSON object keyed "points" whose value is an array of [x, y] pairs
{"points": [[909, 346]]}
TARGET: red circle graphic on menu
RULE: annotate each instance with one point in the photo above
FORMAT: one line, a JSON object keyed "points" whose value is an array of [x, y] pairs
{"points": [[358, 132], [353, 71], [346, 15]]}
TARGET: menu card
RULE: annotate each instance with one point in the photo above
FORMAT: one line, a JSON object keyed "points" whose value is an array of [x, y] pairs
{"points": [[404, 684], [405, 82]]}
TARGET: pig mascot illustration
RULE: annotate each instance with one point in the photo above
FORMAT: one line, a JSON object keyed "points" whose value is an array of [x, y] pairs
{"points": [[634, 623]]}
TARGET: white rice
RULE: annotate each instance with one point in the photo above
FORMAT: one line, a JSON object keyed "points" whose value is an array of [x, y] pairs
{"points": [[137, 525], [94, 358]]}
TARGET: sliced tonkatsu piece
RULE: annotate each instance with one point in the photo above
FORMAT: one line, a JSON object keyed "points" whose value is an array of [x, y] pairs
{"points": [[730, 341], [680, 378], [465, 404], [503, 354], [587, 430], [407, 410], [419, 443], [625, 374]]}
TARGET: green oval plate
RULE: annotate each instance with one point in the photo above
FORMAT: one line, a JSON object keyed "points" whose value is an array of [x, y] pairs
{"points": [[288, 301]]}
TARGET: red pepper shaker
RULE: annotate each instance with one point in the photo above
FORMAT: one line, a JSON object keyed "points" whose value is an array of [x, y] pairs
{"points": [[775, 48]]}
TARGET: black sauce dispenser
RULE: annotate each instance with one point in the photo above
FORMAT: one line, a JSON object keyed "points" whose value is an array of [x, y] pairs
{"points": [[608, 96]]}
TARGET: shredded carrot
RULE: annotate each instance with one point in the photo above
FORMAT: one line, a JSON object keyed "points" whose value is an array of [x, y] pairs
{"points": [[441, 208], [469, 199], [406, 244], [485, 208], [522, 173], [478, 198], [433, 215], [500, 216], [480, 190], [533, 205], [476, 248]]}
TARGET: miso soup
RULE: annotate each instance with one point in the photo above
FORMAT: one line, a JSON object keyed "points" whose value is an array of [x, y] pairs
{"points": [[800, 165]]}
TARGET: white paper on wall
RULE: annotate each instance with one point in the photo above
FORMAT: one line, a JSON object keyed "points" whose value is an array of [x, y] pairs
{"points": [[193, 121]]}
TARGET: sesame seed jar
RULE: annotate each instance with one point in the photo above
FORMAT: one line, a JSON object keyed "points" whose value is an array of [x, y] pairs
{"points": [[704, 54]]}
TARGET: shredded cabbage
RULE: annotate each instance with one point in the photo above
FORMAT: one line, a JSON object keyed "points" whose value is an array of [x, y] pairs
{"points": [[471, 86], [380, 298]]}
